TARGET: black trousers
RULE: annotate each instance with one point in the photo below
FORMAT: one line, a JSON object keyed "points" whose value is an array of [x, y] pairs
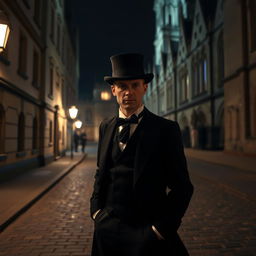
{"points": [[115, 237]]}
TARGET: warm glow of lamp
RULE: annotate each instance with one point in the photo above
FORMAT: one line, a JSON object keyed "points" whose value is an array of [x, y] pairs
{"points": [[105, 96], [73, 112], [78, 124], [4, 30]]}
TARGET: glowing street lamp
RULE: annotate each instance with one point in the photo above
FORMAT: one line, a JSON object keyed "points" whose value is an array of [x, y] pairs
{"points": [[72, 113], [4, 30], [78, 124]]}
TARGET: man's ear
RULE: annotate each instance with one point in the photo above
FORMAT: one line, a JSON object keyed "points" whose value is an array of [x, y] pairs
{"points": [[145, 87], [113, 90]]}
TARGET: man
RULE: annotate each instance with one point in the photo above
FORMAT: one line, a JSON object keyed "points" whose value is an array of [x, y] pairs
{"points": [[142, 187], [83, 139]]}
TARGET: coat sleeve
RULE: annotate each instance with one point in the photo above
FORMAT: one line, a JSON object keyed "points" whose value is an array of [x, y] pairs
{"points": [[178, 181], [94, 200]]}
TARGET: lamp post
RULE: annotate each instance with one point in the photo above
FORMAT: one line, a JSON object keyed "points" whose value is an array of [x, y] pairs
{"points": [[4, 30], [72, 113]]}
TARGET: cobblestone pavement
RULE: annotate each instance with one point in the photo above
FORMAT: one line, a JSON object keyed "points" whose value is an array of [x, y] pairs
{"points": [[219, 220], [59, 224]]}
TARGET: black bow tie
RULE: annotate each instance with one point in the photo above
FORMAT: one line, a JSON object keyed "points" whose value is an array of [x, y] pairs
{"points": [[125, 122], [131, 120]]}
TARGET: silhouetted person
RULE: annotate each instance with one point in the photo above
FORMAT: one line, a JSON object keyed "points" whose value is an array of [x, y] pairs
{"points": [[76, 140], [83, 140]]}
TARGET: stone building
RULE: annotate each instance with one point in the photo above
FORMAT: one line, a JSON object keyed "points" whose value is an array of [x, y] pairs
{"points": [[240, 76], [189, 69], [38, 81], [103, 105]]}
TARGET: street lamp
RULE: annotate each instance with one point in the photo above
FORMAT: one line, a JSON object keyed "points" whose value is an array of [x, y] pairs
{"points": [[78, 124], [4, 30], [72, 113]]}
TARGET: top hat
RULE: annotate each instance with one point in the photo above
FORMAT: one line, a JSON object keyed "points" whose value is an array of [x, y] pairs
{"points": [[128, 66]]}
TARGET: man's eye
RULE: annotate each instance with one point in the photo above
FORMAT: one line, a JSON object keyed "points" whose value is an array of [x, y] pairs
{"points": [[121, 86]]}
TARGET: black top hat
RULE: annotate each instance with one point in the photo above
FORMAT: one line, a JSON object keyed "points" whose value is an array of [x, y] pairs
{"points": [[128, 66]]}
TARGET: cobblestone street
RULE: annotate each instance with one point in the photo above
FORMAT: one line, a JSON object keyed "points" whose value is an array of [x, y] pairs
{"points": [[220, 220]]}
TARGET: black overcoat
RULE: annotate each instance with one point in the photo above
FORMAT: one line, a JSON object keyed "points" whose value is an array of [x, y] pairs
{"points": [[161, 181]]}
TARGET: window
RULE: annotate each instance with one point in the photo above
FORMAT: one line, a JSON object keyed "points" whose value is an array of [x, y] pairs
{"points": [[35, 134], [63, 48], [252, 10], [63, 135], [63, 91], [204, 74], [37, 12], [57, 79], [51, 79], [50, 132], [2, 129], [52, 31], [184, 85], [21, 132], [169, 95], [58, 37], [105, 96], [220, 61], [22, 62], [35, 81]]}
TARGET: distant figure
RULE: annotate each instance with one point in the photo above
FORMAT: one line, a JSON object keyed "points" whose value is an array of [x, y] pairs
{"points": [[76, 140], [83, 140]]}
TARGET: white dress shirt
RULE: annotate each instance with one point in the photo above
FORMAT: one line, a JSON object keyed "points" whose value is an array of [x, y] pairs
{"points": [[132, 126]]}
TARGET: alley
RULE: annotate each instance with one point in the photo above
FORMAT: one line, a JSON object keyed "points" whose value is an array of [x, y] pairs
{"points": [[220, 220]]}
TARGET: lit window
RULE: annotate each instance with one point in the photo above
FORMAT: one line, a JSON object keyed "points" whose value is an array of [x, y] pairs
{"points": [[105, 96]]}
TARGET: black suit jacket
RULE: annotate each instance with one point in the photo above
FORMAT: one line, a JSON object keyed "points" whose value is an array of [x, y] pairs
{"points": [[160, 165]]}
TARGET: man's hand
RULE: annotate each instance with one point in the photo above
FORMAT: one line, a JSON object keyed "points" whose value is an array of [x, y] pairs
{"points": [[159, 236], [95, 214]]}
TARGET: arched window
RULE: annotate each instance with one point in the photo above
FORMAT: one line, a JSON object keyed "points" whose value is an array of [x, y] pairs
{"points": [[21, 132], [2, 129], [35, 134], [203, 73]]}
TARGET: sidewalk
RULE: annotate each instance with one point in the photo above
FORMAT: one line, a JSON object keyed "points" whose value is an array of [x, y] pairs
{"points": [[247, 163], [19, 193]]}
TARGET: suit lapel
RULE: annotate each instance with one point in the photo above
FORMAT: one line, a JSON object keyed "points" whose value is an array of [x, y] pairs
{"points": [[144, 146], [107, 140]]}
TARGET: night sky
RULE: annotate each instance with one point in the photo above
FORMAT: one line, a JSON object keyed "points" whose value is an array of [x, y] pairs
{"points": [[108, 27]]}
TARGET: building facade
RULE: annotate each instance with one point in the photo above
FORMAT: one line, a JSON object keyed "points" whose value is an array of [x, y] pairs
{"points": [[189, 70], [92, 112], [240, 76], [38, 81]]}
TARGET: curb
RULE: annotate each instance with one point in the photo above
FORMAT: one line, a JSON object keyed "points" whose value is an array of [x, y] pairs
{"points": [[52, 183]]}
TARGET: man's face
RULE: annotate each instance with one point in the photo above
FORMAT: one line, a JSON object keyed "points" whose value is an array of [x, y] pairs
{"points": [[129, 93]]}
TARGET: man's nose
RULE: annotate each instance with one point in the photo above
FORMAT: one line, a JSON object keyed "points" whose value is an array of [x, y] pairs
{"points": [[129, 90]]}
